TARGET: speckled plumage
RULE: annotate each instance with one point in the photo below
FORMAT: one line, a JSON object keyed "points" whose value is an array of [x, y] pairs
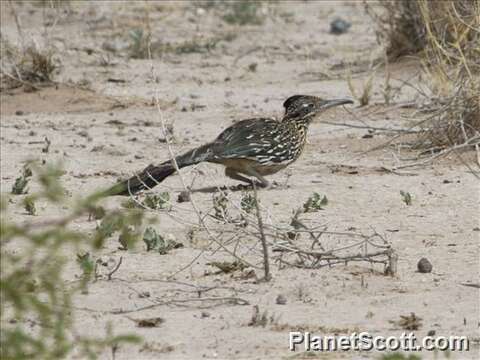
{"points": [[252, 147]]}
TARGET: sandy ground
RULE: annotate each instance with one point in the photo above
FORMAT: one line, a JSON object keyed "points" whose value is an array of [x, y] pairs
{"points": [[102, 125]]}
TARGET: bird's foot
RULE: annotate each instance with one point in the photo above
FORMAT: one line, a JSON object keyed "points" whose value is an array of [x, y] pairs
{"points": [[277, 186], [258, 185]]}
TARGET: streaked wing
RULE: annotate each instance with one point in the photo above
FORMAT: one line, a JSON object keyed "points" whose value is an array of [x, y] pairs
{"points": [[256, 139]]}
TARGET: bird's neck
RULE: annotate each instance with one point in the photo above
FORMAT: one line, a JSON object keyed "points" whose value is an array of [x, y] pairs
{"points": [[300, 122]]}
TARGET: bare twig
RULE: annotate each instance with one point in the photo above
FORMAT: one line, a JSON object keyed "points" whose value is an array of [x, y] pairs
{"points": [[109, 275], [266, 263], [216, 301]]}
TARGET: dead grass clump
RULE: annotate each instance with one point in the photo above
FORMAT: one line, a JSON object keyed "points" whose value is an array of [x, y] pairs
{"points": [[399, 25], [28, 67], [446, 34], [452, 63], [455, 123], [407, 27]]}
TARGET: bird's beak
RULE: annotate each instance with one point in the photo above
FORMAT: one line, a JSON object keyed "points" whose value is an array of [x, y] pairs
{"points": [[326, 104]]}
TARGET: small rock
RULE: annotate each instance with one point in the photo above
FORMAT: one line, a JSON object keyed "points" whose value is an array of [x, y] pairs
{"points": [[104, 260], [184, 196], [424, 266], [144, 294], [205, 314], [339, 26], [19, 112], [281, 300]]}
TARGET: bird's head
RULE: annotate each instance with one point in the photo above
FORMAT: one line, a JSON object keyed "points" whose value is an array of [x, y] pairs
{"points": [[304, 107]]}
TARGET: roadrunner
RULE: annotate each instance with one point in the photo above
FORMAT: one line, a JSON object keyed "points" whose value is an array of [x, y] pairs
{"points": [[252, 147]]}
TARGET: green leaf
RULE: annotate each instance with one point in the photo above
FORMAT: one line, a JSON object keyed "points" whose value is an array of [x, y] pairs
{"points": [[406, 197], [29, 204], [248, 203], [156, 202], [20, 185], [315, 203], [155, 241]]}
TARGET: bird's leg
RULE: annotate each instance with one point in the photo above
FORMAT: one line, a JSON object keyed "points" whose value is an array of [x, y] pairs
{"points": [[233, 174], [263, 182]]}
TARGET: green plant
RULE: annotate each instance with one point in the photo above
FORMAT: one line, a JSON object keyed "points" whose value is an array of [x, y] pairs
{"points": [[20, 185], [157, 202], [248, 203], [29, 203], [155, 241], [138, 48], [220, 203], [33, 290], [87, 265], [315, 203], [406, 197], [243, 12]]}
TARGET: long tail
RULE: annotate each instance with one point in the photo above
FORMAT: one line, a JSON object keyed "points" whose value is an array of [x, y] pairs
{"points": [[152, 175]]}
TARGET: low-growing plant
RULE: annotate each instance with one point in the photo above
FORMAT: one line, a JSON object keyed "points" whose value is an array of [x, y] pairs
{"points": [[157, 202], [29, 204], [155, 241], [248, 203], [315, 203], [366, 91], [243, 12], [87, 265], [33, 289], [220, 204], [20, 185], [406, 197], [139, 43]]}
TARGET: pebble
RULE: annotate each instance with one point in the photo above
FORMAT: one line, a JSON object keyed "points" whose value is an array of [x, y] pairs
{"points": [[424, 266], [184, 196], [281, 300], [339, 26]]}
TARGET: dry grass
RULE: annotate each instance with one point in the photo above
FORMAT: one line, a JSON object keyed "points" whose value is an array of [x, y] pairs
{"points": [[446, 35], [26, 67]]}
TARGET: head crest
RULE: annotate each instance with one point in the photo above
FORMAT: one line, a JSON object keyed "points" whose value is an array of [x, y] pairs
{"points": [[291, 100]]}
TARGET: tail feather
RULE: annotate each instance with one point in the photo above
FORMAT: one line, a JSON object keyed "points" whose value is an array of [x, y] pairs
{"points": [[152, 175]]}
